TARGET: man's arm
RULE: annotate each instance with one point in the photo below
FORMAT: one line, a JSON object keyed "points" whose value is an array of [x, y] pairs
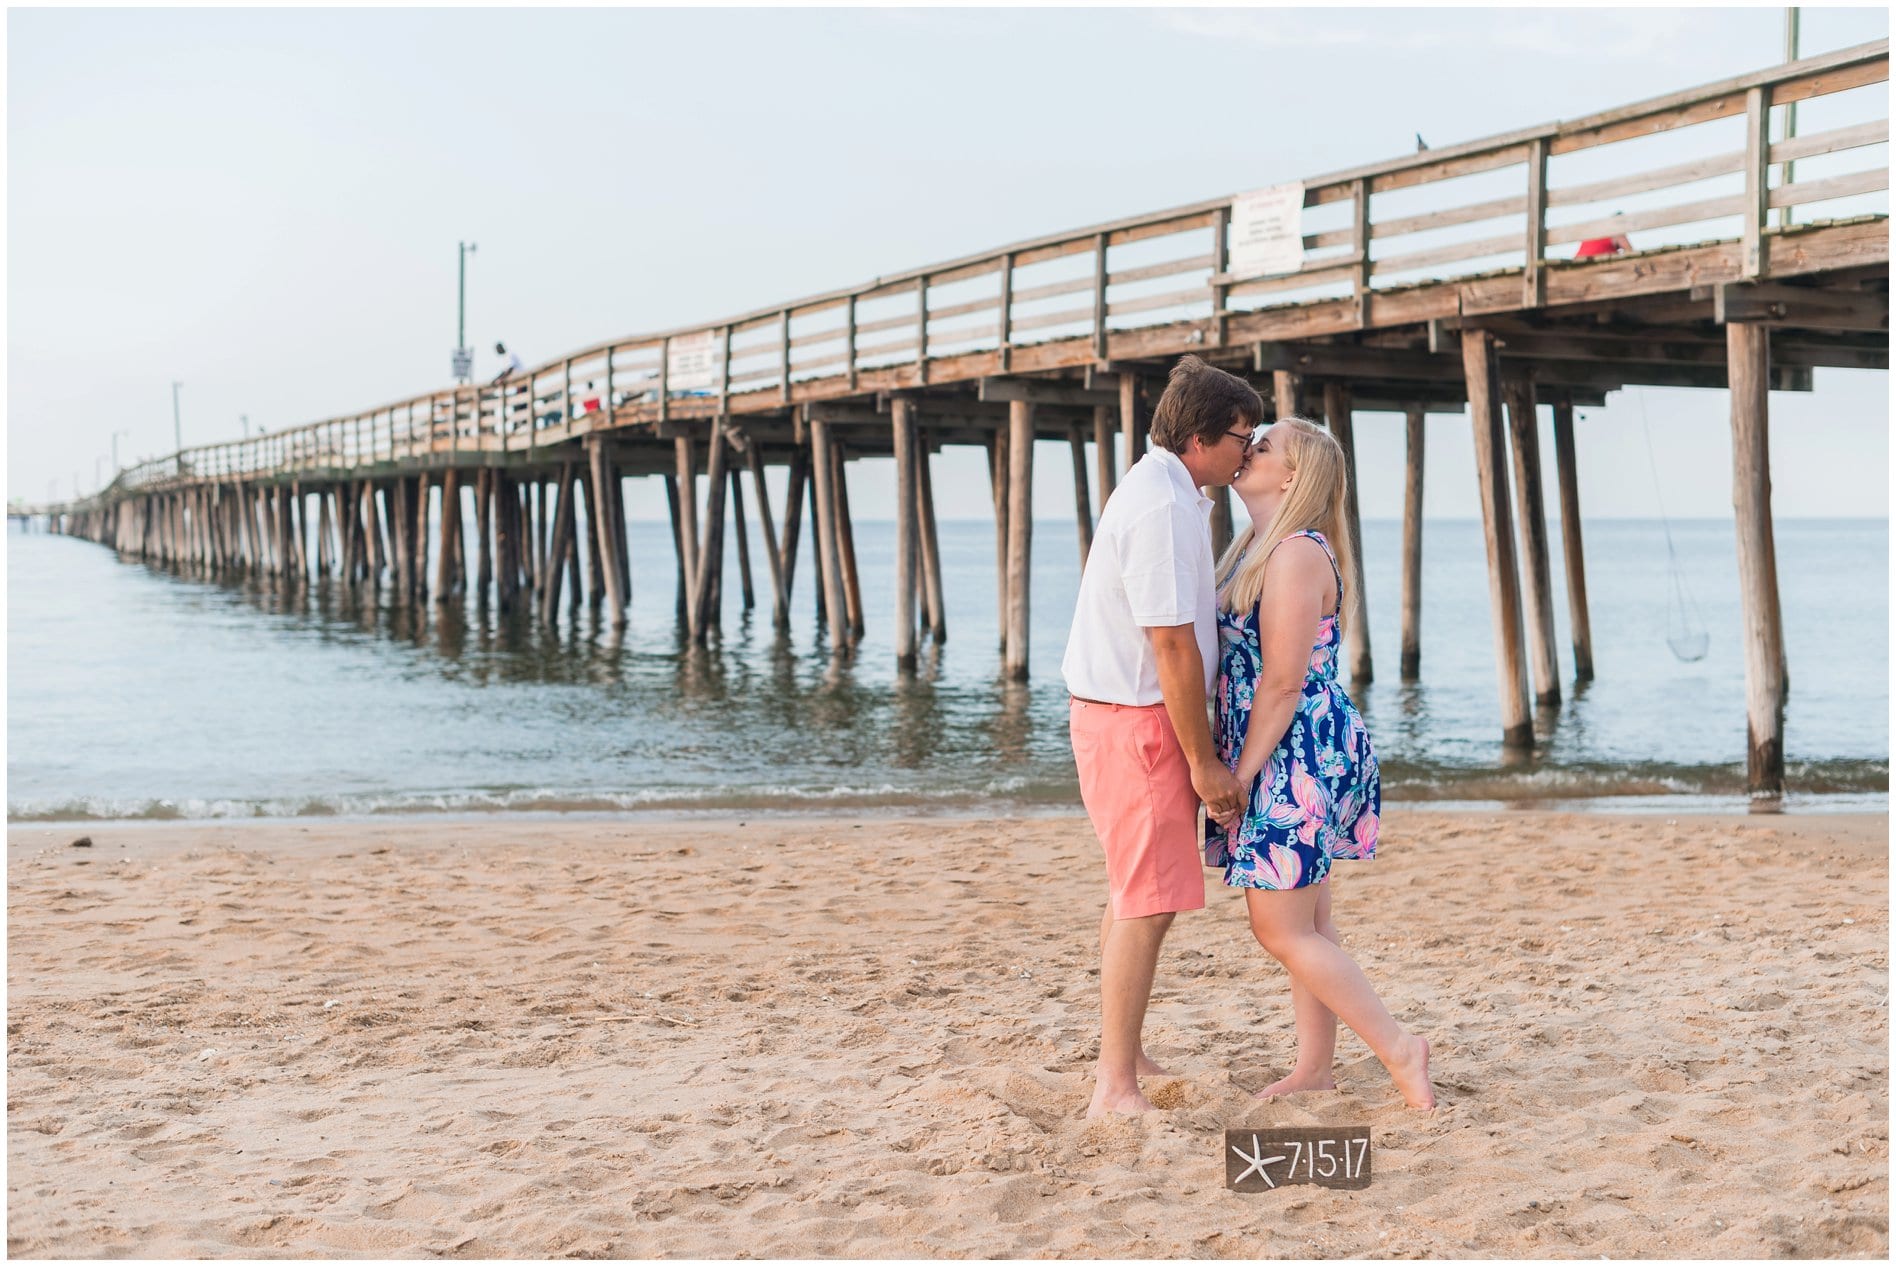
{"points": [[1182, 681]]}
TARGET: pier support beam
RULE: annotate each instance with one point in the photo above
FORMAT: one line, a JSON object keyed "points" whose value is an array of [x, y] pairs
{"points": [[605, 529], [780, 592], [823, 463], [483, 532], [997, 479], [1082, 500], [1412, 548], [1104, 432], [1132, 418], [1536, 561], [846, 541], [1481, 366], [907, 532], [794, 495], [1287, 392], [1338, 412], [1570, 526], [743, 539], [1020, 534], [683, 566], [1748, 355], [931, 542], [449, 581]]}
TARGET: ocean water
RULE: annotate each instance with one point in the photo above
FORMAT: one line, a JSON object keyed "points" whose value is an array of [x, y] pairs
{"points": [[136, 693]]}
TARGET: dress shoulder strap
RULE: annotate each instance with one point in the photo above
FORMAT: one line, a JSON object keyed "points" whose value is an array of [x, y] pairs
{"points": [[1328, 553]]}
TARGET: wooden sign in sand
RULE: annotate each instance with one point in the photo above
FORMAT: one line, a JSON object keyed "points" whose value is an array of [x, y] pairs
{"points": [[1279, 1156]]}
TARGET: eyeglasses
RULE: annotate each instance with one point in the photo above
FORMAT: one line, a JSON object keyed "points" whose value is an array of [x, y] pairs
{"points": [[1242, 435]]}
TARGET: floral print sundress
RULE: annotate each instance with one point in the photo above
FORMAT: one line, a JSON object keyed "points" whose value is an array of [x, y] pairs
{"points": [[1319, 797]]}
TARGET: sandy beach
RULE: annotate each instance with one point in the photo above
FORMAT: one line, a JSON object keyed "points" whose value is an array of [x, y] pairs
{"points": [[1653, 1036]]}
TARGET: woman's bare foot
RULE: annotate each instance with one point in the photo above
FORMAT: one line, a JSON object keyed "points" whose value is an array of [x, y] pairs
{"points": [[1411, 1072], [1146, 1067], [1125, 1102], [1296, 1082]]}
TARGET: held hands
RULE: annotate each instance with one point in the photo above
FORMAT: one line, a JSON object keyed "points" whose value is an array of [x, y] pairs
{"points": [[1219, 789]]}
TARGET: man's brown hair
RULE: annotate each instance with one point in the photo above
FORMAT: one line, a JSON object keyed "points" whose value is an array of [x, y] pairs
{"points": [[1201, 400]]}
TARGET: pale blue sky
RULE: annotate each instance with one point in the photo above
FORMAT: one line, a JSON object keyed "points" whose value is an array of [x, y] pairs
{"points": [[265, 204]]}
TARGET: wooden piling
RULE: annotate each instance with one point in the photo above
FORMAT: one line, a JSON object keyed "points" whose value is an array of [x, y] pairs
{"points": [[1536, 558], [907, 532], [1338, 413], [1748, 358], [1412, 547], [571, 491], [711, 545], [743, 538], [682, 598], [448, 555], [503, 518], [597, 529], [1082, 501], [1482, 369], [1287, 393], [1221, 529], [997, 479], [1570, 533], [1132, 418], [1020, 529], [606, 530], [779, 591], [483, 533], [846, 541], [688, 518], [795, 491], [936, 600], [1104, 434], [823, 468], [817, 590], [556, 552]]}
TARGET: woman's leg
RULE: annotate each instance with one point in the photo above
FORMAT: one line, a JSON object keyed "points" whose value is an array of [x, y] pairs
{"points": [[1316, 1024], [1285, 925]]}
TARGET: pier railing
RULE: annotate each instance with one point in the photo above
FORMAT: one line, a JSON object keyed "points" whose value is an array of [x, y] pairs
{"points": [[1691, 167]]}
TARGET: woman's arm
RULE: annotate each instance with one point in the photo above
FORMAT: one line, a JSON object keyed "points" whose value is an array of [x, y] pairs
{"points": [[1288, 613]]}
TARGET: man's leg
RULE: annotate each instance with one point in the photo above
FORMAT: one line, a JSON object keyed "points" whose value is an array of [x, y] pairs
{"points": [[1126, 967], [1144, 1066]]}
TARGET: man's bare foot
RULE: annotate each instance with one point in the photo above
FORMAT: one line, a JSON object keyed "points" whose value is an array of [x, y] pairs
{"points": [[1411, 1072], [1146, 1067], [1296, 1082], [1124, 1102]]}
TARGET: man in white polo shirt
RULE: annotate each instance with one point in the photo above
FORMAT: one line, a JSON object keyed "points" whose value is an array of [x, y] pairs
{"points": [[1139, 663]]}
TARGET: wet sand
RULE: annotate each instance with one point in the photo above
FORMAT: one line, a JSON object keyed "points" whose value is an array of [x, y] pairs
{"points": [[1656, 1037]]}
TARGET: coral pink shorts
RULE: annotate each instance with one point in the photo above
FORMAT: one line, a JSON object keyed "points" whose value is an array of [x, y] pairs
{"points": [[1138, 791]]}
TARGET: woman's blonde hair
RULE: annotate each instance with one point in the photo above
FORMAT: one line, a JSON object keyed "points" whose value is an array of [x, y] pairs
{"points": [[1316, 500]]}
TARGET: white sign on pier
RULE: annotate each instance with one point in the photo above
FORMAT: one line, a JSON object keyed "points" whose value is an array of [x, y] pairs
{"points": [[1266, 235]]}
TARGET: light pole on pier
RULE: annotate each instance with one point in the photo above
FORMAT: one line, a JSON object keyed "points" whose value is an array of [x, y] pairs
{"points": [[463, 360], [115, 439], [177, 421], [245, 419]]}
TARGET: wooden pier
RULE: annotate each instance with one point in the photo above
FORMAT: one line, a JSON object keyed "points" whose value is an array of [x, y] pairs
{"points": [[1438, 283]]}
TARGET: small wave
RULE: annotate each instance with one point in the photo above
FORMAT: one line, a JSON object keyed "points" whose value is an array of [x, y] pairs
{"points": [[1847, 782], [539, 801]]}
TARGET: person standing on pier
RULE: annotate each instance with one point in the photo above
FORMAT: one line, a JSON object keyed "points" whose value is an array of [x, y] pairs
{"points": [[1138, 664], [1296, 743]]}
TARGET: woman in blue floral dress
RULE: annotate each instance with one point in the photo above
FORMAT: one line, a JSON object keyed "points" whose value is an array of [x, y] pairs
{"points": [[1291, 734]]}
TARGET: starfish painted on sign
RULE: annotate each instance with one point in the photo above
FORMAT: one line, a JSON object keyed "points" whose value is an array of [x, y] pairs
{"points": [[1257, 1161]]}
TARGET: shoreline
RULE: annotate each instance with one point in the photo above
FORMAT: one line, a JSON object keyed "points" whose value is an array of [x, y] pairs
{"points": [[1793, 805], [870, 1037]]}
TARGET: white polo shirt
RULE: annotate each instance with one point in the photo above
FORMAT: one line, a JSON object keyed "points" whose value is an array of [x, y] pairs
{"points": [[1150, 565]]}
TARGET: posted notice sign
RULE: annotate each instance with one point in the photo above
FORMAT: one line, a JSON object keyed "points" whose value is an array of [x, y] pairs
{"points": [[691, 365], [1266, 235]]}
